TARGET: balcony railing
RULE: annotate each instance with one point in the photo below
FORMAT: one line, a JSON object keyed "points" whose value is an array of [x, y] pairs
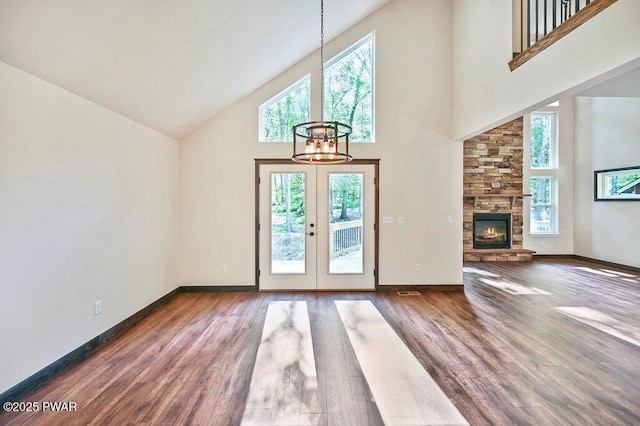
{"points": [[540, 23]]}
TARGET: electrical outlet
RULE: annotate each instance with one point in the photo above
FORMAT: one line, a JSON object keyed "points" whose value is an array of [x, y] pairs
{"points": [[416, 267], [400, 219], [449, 219], [97, 307], [223, 268]]}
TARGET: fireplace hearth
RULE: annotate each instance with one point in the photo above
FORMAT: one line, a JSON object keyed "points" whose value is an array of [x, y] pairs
{"points": [[491, 230]]}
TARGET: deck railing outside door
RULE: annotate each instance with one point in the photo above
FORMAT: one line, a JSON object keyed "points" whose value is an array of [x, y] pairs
{"points": [[344, 237]]}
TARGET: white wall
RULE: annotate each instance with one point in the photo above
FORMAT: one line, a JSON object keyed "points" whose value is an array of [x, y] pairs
{"points": [[562, 242], [487, 94], [606, 132], [88, 211], [421, 167]]}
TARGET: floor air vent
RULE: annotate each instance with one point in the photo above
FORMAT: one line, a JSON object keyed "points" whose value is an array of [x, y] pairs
{"points": [[409, 293]]}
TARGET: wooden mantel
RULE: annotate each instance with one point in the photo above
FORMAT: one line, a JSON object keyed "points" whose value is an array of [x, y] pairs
{"points": [[512, 197]]}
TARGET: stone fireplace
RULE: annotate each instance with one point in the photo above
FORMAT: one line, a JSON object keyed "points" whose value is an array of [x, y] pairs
{"points": [[493, 195]]}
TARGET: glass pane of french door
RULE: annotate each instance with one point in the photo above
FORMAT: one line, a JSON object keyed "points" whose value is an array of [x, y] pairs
{"points": [[346, 227], [287, 241], [288, 223], [345, 223]]}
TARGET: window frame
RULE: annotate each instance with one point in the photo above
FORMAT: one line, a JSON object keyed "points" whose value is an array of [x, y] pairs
{"points": [[552, 204], [550, 172]]}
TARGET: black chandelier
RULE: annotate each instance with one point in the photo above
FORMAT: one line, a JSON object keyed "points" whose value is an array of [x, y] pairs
{"points": [[319, 141]]}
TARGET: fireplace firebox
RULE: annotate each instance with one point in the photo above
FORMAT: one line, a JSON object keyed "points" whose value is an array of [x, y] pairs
{"points": [[491, 230]]}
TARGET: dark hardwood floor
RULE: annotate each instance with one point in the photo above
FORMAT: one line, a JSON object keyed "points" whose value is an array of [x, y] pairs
{"points": [[502, 358]]}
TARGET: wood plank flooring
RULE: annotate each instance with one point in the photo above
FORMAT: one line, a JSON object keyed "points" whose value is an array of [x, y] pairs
{"points": [[503, 358]]}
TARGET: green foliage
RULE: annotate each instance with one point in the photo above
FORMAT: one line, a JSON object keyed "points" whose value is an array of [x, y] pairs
{"points": [[348, 98], [345, 196], [348, 91], [617, 182], [287, 198], [540, 190], [282, 113], [296, 182]]}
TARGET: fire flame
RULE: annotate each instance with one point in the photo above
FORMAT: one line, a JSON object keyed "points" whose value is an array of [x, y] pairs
{"points": [[491, 232]]}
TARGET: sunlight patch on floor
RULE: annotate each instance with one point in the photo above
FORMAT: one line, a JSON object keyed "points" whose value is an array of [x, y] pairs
{"points": [[611, 274], [622, 274], [284, 380], [603, 322], [472, 270], [513, 288], [404, 391]]}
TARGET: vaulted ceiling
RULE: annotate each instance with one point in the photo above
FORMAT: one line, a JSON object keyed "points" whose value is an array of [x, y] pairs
{"points": [[168, 64]]}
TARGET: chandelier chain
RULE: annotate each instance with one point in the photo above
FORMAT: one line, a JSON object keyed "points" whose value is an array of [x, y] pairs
{"points": [[321, 139]]}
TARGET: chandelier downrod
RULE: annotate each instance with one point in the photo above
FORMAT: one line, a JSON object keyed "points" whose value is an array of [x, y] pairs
{"points": [[321, 138]]}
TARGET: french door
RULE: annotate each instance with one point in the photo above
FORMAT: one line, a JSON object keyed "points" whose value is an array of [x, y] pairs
{"points": [[316, 227]]}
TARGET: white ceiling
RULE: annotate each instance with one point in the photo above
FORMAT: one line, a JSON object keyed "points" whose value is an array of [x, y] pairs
{"points": [[168, 64]]}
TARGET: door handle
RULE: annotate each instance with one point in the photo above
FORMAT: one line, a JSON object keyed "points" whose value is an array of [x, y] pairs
{"points": [[311, 234]]}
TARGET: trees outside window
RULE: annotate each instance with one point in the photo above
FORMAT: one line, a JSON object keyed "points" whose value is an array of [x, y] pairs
{"points": [[543, 210], [345, 197], [287, 201], [542, 205], [279, 114], [349, 90], [542, 139], [348, 97]]}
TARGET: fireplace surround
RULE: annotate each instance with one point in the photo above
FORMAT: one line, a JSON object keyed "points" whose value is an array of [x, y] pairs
{"points": [[491, 230], [493, 183]]}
